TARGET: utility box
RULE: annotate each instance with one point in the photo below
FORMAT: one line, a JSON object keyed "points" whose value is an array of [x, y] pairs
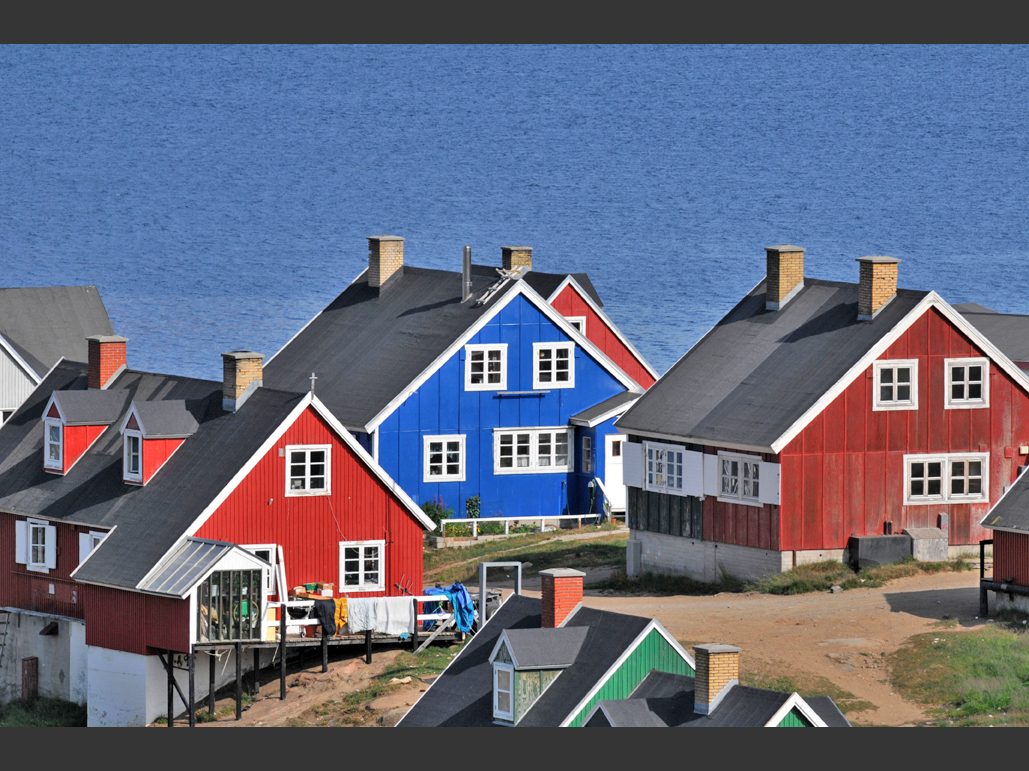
{"points": [[633, 558], [928, 544], [867, 550]]}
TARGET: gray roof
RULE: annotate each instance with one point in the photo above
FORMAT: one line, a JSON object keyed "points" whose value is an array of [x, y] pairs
{"points": [[187, 565], [828, 711], [1012, 510], [586, 417], [1007, 331], [463, 694], [93, 407], [45, 323], [547, 283], [546, 648], [170, 418], [964, 308], [151, 518], [753, 375], [369, 344]]}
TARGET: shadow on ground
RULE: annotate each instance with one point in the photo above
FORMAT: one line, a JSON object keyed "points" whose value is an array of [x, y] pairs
{"points": [[961, 605]]}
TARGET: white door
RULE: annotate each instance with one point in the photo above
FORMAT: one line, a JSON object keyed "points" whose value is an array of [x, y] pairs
{"points": [[613, 481]]}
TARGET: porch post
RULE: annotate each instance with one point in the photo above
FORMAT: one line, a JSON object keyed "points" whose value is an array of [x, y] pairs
{"points": [[325, 650], [414, 634], [171, 691], [211, 658], [192, 687], [257, 671], [282, 651], [239, 681], [368, 647]]}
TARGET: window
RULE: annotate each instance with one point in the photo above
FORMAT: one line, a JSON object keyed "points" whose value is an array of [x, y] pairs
{"points": [[896, 385], [553, 365], [503, 691], [616, 448], [54, 444], [307, 470], [361, 567], [587, 455], [485, 367], [133, 456], [267, 552], [579, 322], [532, 450], [444, 458], [968, 383], [5, 415], [739, 478], [957, 478], [664, 467], [37, 545]]}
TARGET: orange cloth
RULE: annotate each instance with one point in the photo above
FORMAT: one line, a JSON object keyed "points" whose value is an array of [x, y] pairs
{"points": [[341, 613]]}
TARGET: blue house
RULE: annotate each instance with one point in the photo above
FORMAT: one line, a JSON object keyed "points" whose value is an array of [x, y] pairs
{"points": [[464, 384]]}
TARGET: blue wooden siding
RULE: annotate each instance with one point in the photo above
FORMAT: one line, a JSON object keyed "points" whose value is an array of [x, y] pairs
{"points": [[443, 406]]}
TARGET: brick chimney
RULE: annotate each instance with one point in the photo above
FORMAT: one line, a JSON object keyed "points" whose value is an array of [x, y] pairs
{"points": [[243, 373], [107, 358], [718, 670], [385, 257], [785, 275], [877, 285], [516, 257], [561, 595]]}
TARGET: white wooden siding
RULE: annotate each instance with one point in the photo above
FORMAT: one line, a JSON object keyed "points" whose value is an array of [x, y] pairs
{"points": [[15, 384]]}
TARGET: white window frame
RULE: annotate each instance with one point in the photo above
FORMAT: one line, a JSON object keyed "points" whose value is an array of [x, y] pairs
{"points": [[537, 385], [127, 474], [363, 586], [752, 460], [485, 348], [269, 578], [655, 465], [308, 448], [945, 495], [534, 466], [950, 403], [33, 525], [877, 404], [587, 455], [96, 538], [49, 463], [579, 322], [497, 712], [444, 438]]}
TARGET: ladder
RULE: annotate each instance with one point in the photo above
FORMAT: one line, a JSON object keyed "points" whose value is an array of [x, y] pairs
{"points": [[5, 622]]}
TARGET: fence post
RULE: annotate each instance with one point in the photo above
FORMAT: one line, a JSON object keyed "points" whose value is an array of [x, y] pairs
{"points": [[414, 633], [507, 527], [282, 649], [475, 529]]}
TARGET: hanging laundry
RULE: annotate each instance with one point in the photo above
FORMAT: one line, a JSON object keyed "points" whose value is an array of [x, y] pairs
{"points": [[396, 616], [325, 612], [341, 614], [362, 614]]}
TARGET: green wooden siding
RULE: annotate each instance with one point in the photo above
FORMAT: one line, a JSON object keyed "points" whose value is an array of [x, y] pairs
{"points": [[503, 655], [794, 719], [654, 652], [529, 684]]}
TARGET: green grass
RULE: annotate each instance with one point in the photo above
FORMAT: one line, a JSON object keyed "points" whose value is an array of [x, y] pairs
{"points": [[808, 686], [975, 677], [41, 713]]}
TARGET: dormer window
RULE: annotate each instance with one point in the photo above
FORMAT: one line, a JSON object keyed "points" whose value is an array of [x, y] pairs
{"points": [[157, 428], [53, 451], [503, 685], [133, 456]]}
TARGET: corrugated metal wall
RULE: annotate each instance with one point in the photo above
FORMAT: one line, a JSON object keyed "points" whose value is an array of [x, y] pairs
{"points": [[653, 652], [1011, 558], [134, 622], [15, 384], [845, 472], [310, 528]]}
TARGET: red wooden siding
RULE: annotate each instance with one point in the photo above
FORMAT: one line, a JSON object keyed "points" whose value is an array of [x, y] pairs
{"points": [[135, 622], [155, 453], [310, 528], [1011, 558], [77, 440], [738, 523], [844, 473], [571, 303]]}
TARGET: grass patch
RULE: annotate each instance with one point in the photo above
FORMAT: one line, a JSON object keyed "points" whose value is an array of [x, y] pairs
{"points": [[41, 713], [975, 677], [808, 686], [656, 583]]}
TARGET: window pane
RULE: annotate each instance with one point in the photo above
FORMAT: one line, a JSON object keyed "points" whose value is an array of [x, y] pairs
{"points": [[975, 486], [317, 469], [957, 391], [296, 484], [975, 391], [616, 449], [957, 468], [903, 393], [904, 375], [975, 373], [917, 487], [934, 487], [975, 468], [957, 485], [886, 393], [957, 374], [298, 457], [317, 483], [523, 450], [503, 701], [935, 469], [886, 376], [917, 469], [503, 680], [561, 456]]}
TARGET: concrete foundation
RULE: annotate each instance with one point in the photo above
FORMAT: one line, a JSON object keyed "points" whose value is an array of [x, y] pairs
{"points": [[62, 656], [1004, 601]]}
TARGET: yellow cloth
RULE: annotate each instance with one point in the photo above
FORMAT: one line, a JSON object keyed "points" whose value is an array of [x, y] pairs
{"points": [[341, 613]]}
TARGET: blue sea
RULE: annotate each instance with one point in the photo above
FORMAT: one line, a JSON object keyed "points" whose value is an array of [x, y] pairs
{"points": [[219, 197]]}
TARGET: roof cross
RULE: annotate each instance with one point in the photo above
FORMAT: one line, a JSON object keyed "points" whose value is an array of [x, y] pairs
{"points": [[313, 378]]}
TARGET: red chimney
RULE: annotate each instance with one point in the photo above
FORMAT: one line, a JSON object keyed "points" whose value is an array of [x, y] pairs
{"points": [[106, 358], [561, 595]]}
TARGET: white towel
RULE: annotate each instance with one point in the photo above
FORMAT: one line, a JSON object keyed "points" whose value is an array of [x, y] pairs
{"points": [[395, 615], [362, 614]]}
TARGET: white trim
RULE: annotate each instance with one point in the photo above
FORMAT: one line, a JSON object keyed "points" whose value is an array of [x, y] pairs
{"points": [[21, 362], [502, 640], [533, 467], [50, 464], [30, 523], [693, 440], [362, 587], [91, 553], [308, 449], [139, 421], [753, 460], [950, 403], [538, 384], [581, 320], [127, 475], [603, 317], [795, 700], [497, 713], [485, 348], [654, 624], [682, 489], [520, 288], [586, 456], [894, 364], [613, 412], [271, 580], [443, 439], [946, 497]]}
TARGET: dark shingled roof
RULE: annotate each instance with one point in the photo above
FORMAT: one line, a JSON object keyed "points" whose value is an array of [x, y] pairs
{"points": [[547, 283], [1012, 510], [151, 518], [965, 308], [828, 711], [367, 346], [463, 694], [753, 375], [94, 407], [169, 419], [1007, 331], [586, 416], [45, 323], [546, 648]]}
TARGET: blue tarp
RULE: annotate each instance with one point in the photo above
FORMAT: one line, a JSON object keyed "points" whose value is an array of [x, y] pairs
{"points": [[460, 600]]}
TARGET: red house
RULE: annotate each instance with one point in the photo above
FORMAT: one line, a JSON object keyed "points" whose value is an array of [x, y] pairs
{"points": [[814, 411], [144, 513]]}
